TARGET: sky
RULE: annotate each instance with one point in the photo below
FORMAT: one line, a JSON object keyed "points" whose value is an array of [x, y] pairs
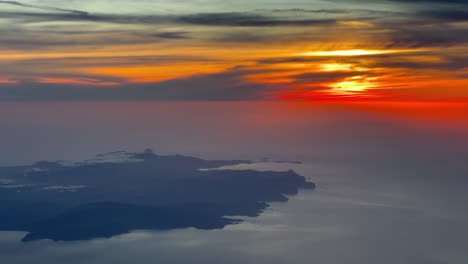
{"points": [[372, 97], [210, 50]]}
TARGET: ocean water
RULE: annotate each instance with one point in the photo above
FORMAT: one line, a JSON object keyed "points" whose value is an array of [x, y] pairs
{"points": [[391, 187]]}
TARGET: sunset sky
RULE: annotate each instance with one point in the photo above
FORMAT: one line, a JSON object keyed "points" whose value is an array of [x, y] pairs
{"points": [[209, 50], [184, 131]]}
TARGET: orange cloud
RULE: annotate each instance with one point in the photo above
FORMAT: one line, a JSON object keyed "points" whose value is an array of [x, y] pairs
{"points": [[157, 73]]}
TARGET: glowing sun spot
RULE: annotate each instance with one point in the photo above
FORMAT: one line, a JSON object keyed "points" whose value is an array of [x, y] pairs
{"points": [[332, 67], [353, 85]]}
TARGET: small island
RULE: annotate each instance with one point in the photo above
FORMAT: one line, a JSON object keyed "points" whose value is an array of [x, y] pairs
{"points": [[119, 192]]}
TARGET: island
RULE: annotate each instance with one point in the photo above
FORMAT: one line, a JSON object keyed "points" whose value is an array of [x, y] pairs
{"points": [[118, 192]]}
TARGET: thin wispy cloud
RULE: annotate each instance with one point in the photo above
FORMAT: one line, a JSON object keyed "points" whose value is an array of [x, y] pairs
{"points": [[45, 8]]}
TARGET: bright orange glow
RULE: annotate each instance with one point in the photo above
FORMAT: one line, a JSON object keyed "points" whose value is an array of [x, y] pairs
{"points": [[331, 67], [353, 85], [293, 73], [303, 51], [157, 73]]}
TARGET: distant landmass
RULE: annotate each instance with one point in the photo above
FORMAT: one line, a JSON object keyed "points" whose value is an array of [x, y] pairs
{"points": [[118, 192]]}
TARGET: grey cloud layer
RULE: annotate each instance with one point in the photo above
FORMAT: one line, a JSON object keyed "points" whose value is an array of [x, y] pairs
{"points": [[227, 86], [297, 17]]}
